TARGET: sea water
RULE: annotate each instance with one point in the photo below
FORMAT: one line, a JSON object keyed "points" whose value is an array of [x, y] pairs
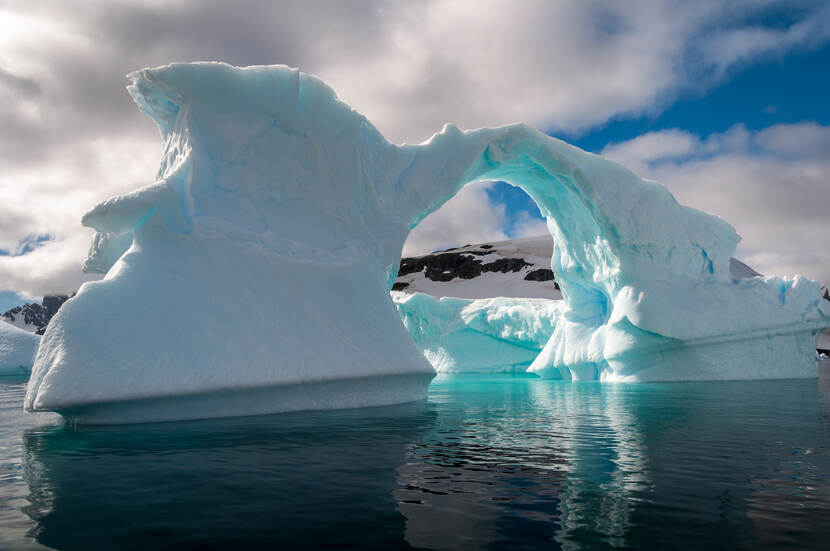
{"points": [[486, 462]]}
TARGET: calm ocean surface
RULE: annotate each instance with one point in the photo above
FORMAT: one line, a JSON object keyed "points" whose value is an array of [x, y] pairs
{"points": [[487, 462]]}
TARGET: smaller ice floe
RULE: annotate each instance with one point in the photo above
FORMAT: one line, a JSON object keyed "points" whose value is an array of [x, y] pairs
{"points": [[483, 336], [17, 350]]}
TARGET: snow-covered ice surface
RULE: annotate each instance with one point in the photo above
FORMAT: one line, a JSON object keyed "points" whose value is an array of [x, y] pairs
{"points": [[256, 277], [17, 350], [483, 335]]}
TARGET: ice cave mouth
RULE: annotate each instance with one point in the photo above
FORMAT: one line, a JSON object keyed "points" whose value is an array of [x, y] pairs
{"points": [[261, 254]]}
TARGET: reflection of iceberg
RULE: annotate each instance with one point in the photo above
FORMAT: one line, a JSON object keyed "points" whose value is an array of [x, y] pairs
{"points": [[267, 482], [520, 462], [552, 461], [256, 275], [607, 461], [17, 350]]}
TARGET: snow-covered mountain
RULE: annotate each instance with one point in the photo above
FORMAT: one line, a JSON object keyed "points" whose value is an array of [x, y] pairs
{"points": [[34, 317], [513, 268]]}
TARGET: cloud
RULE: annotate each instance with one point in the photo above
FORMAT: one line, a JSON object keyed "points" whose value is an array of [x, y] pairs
{"points": [[527, 225], [770, 184], [71, 136], [732, 45], [52, 268], [662, 145], [468, 218]]}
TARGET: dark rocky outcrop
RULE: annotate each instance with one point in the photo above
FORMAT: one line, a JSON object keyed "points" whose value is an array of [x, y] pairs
{"points": [[447, 265], [37, 315], [542, 274]]}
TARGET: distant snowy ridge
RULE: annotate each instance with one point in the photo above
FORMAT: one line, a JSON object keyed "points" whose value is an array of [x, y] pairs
{"points": [[34, 317]]}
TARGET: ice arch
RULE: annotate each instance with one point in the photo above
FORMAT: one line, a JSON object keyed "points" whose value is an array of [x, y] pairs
{"points": [[256, 274]]}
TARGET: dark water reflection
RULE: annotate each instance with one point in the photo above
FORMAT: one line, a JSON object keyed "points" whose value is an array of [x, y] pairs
{"points": [[247, 483], [488, 462]]}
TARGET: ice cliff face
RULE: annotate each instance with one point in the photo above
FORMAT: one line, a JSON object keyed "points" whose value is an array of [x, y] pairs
{"points": [[273, 196]]}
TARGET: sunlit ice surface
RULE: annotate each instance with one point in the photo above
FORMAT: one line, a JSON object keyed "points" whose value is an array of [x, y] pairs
{"points": [[510, 461]]}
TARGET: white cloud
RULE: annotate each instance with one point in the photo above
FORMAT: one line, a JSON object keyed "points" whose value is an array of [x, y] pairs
{"points": [[729, 46], [71, 136], [53, 268], [772, 185], [796, 140], [526, 225], [638, 152], [469, 217], [50, 202]]}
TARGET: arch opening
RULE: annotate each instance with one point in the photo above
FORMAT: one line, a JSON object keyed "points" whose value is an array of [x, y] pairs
{"points": [[646, 281], [582, 258]]}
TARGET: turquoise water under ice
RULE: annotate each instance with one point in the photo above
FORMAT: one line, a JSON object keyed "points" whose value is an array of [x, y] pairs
{"points": [[491, 462]]}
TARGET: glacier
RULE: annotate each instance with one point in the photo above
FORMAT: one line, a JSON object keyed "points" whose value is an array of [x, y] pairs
{"points": [[17, 350], [252, 274]]}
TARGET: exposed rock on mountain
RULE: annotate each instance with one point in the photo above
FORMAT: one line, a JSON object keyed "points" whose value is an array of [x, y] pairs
{"points": [[34, 317], [514, 268], [446, 266]]}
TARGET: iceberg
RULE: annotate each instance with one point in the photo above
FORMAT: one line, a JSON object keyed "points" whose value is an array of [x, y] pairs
{"points": [[252, 275], [17, 350]]}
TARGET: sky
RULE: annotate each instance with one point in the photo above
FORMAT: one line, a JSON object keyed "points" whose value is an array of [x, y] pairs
{"points": [[725, 103]]}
